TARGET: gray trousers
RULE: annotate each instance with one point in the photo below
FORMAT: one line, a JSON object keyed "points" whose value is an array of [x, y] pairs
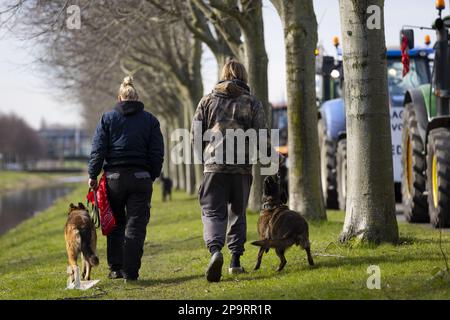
{"points": [[223, 198]]}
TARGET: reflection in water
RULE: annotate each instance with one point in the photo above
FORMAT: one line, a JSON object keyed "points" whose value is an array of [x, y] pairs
{"points": [[20, 205]]}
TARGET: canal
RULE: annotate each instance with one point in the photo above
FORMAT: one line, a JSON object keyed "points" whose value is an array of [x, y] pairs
{"points": [[17, 206]]}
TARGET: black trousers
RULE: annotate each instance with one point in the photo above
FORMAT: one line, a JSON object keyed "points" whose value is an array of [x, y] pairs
{"points": [[129, 194], [223, 198]]}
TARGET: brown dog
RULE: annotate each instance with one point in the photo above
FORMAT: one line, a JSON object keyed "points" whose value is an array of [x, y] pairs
{"points": [[279, 227], [81, 237]]}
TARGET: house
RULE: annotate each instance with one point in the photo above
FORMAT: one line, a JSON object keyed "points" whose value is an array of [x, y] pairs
{"points": [[64, 142]]}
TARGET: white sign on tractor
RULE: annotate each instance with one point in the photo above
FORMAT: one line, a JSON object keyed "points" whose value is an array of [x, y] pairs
{"points": [[396, 133]]}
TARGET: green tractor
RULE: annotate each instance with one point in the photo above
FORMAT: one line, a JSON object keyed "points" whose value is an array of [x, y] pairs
{"points": [[426, 136]]}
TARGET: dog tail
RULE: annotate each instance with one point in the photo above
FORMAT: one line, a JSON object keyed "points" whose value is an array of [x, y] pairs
{"points": [[260, 243], [89, 255], [305, 244], [269, 243]]}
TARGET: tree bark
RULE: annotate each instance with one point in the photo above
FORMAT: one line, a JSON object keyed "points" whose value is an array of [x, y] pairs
{"points": [[189, 166], [172, 166], [300, 36], [370, 208], [256, 62], [196, 93], [166, 135]]}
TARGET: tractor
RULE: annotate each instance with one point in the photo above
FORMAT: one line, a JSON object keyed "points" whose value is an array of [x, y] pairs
{"points": [[332, 123], [327, 87], [426, 135]]}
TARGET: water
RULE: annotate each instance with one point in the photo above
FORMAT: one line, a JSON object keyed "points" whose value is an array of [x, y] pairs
{"points": [[18, 206]]}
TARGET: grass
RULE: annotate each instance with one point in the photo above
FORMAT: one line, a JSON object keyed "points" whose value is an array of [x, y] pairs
{"points": [[33, 262], [16, 180]]}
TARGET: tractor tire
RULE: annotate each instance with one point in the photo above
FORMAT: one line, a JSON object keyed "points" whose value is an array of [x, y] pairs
{"points": [[438, 177], [342, 173], [415, 206], [327, 167]]}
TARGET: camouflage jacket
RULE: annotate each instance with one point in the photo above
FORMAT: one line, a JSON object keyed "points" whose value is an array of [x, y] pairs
{"points": [[229, 106]]}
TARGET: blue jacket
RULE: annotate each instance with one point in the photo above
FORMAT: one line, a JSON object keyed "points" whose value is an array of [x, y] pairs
{"points": [[127, 137]]}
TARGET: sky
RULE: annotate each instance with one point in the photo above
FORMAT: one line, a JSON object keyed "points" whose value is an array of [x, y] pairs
{"points": [[28, 92]]}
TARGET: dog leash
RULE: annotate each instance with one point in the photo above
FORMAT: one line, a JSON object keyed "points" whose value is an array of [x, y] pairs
{"points": [[95, 216]]}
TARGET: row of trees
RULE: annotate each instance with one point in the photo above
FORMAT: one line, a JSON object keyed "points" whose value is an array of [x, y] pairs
{"points": [[160, 43], [19, 143]]}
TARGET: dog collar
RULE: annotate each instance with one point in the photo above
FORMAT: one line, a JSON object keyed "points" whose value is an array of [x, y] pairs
{"points": [[271, 206]]}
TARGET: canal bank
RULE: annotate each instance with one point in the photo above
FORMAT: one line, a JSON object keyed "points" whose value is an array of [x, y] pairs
{"points": [[32, 194], [17, 206], [11, 181]]}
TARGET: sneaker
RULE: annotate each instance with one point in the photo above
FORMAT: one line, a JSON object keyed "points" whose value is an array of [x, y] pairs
{"points": [[214, 271], [236, 270], [115, 274]]}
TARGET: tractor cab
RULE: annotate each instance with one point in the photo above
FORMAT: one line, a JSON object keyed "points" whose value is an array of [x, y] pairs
{"points": [[328, 79], [332, 121], [329, 75], [426, 133], [419, 72]]}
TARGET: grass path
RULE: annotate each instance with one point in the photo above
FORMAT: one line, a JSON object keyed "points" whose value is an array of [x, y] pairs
{"points": [[33, 262]]}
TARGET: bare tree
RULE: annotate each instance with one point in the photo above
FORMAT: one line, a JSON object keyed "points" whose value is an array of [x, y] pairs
{"points": [[370, 208], [300, 37], [19, 142], [119, 37]]}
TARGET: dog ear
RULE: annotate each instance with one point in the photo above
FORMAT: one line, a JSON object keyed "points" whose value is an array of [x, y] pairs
{"points": [[283, 197], [81, 206], [268, 185], [71, 208]]}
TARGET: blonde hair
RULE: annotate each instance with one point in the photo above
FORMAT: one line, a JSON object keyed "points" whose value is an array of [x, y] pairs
{"points": [[127, 91], [234, 70]]}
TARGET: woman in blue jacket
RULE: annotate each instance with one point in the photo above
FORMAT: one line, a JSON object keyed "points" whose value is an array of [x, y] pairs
{"points": [[129, 146]]}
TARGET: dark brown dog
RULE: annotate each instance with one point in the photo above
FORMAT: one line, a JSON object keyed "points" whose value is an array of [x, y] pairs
{"points": [[81, 237], [279, 227]]}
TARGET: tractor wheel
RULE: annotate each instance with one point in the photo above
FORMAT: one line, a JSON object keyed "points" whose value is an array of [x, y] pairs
{"points": [[438, 174], [327, 167], [342, 173], [415, 207]]}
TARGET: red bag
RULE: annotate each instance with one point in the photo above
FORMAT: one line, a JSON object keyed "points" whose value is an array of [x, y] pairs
{"points": [[100, 201]]}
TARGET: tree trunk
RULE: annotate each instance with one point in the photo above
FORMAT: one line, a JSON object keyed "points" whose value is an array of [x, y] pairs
{"points": [[166, 165], [189, 170], [370, 208], [256, 62], [172, 166], [181, 166], [190, 92], [175, 170], [196, 93], [300, 36]]}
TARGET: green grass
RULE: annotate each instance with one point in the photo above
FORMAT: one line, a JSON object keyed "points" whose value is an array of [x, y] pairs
{"points": [[16, 180], [33, 262], [75, 164]]}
